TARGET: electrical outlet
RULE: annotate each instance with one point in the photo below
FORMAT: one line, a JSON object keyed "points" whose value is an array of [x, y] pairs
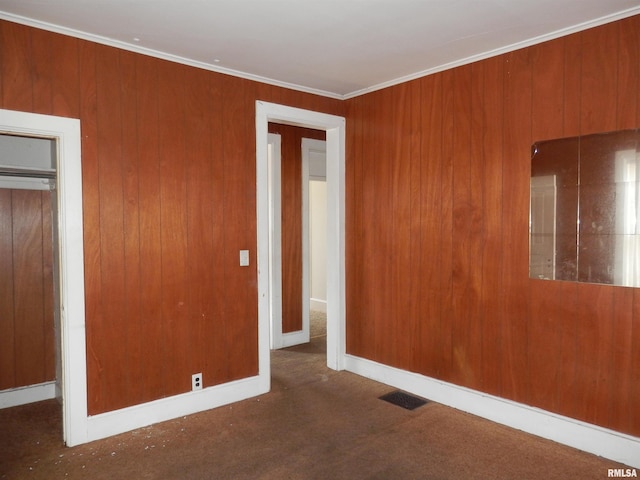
{"points": [[196, 381]]}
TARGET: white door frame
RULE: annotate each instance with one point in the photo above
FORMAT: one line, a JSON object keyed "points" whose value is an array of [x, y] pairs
{"points": [[275, 241], [334, 126], [66, 132]]}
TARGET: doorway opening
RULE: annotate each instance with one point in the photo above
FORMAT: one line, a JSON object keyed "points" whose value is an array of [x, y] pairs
{"points": [[30, 370], [314, 237], [334, 128], [297, 216], [63, 134]]}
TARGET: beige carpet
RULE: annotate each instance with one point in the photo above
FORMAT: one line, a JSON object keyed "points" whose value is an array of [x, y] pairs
{"points": [[315, 424], [317, 323]]}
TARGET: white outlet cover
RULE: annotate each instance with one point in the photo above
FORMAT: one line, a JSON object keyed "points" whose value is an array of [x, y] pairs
{"points": [[244, 258], [196, 381]]}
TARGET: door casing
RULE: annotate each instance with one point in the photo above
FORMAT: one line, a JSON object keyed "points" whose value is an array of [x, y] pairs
{"points": [[335, 127], [70, 253]]}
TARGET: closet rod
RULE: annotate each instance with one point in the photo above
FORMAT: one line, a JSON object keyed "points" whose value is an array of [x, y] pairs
{"points": [[26, 172]]}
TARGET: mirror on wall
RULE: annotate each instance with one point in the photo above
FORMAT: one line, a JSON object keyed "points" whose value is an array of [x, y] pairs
{"points": [[584, 222]]}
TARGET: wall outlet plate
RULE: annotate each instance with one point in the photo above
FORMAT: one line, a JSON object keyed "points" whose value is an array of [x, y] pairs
{"points": [[196, 381]]}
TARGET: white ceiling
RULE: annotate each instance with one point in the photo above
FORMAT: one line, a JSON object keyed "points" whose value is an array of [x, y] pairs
{"points": [[337, 48]]}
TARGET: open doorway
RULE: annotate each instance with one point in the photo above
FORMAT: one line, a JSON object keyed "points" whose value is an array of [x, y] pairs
{"points": [[30, 341], [63, 134], [297, 229], [314, 224], [335, 139]]}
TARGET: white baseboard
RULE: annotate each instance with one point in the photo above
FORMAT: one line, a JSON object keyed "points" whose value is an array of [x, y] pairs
{"points": [[318, 305], [590, 438], [294, 338], [119, 421], [29, 394]]}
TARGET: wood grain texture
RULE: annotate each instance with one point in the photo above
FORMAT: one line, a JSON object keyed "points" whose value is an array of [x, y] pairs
{"points": [[483, 323], [112, 267], [17, 94], [492, 247], [168, 168], [431, 345], [7, 315], [26, 282], [151, 181]]}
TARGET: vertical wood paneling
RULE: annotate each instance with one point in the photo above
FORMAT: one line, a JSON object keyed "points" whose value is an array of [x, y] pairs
{"points": [[112, 266], [199, 179], [561, 346], [480, 274], [91, 224], [402, 271], [354, 224], [238, 304], [517, 145], [352, 220], [168, 199], [291, 227], [370, 158], [599, 79], [547, 105], [464, 327], [131, 226], [492, 246], [65, 78], [381, 231], [594, 337], [246, 359], [572, 85], [621, 361], [566, 329], [17, 83], [28, 287], [26, 309], [215, 331], [149, 218], [411, 335], [430, 350], [7, 315], [476, 222], [444, 364], [173, 223], [41, 66], [628, 73], [548, 302]]}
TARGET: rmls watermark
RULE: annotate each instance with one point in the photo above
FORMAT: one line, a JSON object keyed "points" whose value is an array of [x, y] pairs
{"points": [[622, 472]]}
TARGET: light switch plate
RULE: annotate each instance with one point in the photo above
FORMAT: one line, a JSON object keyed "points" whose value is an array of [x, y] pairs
{"points": [[244, 258]]}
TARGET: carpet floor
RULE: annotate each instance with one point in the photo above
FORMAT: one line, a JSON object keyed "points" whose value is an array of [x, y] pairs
{"points": [[315, 423]]}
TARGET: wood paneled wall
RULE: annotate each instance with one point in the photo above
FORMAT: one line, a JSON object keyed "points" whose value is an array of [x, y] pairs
{"points": [[437, 219], [437, 229], [291, 213], [168, 165], [27, 348]]}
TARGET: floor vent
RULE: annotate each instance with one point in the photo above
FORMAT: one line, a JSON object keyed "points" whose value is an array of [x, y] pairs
{"points": [[404, 400]]}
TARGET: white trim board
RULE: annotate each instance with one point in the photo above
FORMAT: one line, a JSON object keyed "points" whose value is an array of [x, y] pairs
{"points": [[23, 395], [70, 252], [567, 431], [118, 421], [335, 128]]}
